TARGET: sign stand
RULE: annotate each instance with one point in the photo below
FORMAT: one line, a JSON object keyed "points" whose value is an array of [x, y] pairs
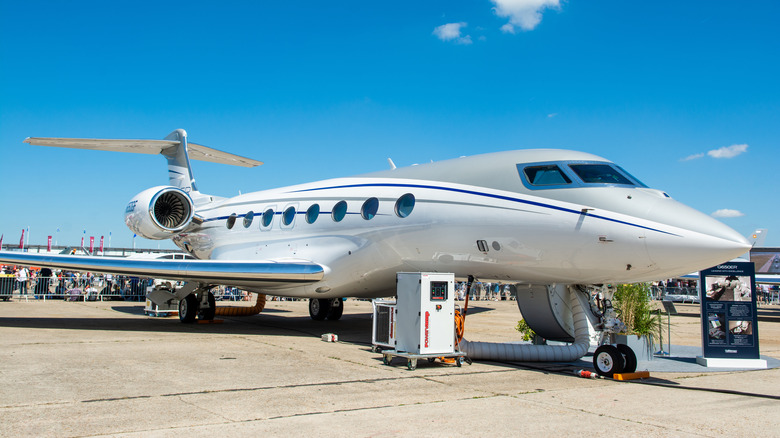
{"points": [[670, 310]]}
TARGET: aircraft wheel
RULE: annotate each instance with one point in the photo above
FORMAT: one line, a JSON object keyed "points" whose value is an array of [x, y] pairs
{"points": [[336, 309], [629, 357], [188, 309], [607, 361], [319, 308], [208, 314]]}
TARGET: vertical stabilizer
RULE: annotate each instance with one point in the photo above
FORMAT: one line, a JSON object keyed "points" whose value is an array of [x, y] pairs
{"points": [[179, 170], [758, 237]]}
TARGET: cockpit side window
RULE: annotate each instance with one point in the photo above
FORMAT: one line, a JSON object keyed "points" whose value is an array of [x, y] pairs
{"points": [[548, 175], [599, 174]]}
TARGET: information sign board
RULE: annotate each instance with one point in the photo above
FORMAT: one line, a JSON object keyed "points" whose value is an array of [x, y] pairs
{"points": [[728, 311]]}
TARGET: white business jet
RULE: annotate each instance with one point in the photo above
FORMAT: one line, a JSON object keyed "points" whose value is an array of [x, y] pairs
{"points": [[556, 222]]}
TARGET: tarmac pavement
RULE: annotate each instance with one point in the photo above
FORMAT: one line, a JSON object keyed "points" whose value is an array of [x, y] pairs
{"points": [[105, 369]]}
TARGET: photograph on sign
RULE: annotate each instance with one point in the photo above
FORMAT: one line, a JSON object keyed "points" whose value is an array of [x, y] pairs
{"points": [[730, 288], [715, 329], [740, 327]]}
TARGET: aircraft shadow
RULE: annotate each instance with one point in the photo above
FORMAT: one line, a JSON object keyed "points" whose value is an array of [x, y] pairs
{"points": [[352, 327]]}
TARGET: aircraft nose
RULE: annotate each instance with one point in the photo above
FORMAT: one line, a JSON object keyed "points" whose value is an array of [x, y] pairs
{"points": [[695, 241]]}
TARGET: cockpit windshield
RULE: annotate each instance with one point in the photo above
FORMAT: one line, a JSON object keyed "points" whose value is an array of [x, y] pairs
{"points": [[572, 174], [546, 175], [599, 173]]}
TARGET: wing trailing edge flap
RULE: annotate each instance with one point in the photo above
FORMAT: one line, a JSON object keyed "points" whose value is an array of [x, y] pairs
{"points": [[231, 273]]}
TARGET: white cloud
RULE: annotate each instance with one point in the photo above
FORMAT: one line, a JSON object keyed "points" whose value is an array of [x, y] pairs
{"points": [[724, 152], [728, 151], [693, 157], [451, 32], [526, 14], [725, 212]]}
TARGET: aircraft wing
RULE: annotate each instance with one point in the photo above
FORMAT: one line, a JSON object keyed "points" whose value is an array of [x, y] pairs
{"points": [[222, 272]]}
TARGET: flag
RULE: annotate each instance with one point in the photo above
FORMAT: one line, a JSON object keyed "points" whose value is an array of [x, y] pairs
{"points": [[48, 245], [21, 241], [1, 241], [91, 244], [101, 243]]}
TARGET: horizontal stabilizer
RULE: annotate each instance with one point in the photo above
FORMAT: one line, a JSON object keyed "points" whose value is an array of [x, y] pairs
{"points": [[211, 272], [153, 147]]}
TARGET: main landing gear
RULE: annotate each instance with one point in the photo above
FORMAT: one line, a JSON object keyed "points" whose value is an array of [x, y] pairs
{"points": [[200, 306], [320, 308]]}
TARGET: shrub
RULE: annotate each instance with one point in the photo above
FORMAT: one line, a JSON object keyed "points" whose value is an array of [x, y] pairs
{"points": [[633, 307], [525, 330]]}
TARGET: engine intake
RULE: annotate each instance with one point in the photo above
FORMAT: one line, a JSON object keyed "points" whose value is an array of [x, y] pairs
{"points": [[159, 212]]}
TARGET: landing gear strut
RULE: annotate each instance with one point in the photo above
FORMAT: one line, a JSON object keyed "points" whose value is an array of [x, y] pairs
{"points": [[611, 358]]}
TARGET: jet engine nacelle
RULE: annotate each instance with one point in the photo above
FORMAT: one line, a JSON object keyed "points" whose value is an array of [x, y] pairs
{"points": [[160, 212]]}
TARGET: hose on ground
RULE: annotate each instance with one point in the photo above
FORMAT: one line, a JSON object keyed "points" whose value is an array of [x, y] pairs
{"points": [[537, 353], [242, 311]]}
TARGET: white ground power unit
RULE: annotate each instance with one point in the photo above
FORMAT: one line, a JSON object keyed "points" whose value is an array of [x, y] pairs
{"points": [[424, 318]]}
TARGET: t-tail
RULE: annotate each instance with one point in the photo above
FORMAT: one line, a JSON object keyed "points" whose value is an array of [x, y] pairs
{"points": [[163, 211]]}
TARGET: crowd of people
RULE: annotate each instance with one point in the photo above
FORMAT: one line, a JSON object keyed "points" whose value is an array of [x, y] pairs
{"points": [[72, 285]]}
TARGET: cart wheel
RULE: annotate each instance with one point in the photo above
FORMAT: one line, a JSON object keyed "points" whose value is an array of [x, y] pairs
{"points": [[459, 361], [386, 359], [411, 364], [431, 359]]}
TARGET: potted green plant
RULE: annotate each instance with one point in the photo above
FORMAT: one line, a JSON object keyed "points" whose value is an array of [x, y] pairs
{"points": [[633, 306]]}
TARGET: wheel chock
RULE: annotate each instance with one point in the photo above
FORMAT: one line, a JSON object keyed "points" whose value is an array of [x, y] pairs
{"points": [[632, 376]]}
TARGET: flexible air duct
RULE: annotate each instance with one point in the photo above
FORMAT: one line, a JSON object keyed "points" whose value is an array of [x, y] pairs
{"points": [[241, 310], [537, 353]]}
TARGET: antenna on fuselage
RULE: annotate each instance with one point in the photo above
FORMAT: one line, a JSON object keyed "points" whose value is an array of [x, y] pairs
{"points": [[390, 162]]}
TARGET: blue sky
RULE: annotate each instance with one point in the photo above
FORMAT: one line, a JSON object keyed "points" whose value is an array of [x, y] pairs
{"points": [[684, 95]]}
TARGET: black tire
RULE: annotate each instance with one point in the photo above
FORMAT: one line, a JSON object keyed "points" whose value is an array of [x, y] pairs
{"points": [[411, 364], [208, 314], [608, 361], [629, 357], [188, 309], [386, 359], [318, 309], [336, 309]]}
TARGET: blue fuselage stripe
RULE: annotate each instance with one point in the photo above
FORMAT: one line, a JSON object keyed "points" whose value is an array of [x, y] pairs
{"points": [[487, 195]]}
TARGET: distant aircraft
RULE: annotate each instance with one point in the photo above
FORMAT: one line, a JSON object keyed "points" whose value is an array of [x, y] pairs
{"points": [[560, 223]]}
